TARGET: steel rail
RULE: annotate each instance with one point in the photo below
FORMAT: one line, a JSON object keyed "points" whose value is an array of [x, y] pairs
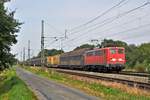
{"points": [[130, 73], [141, 85], [144, 74]]}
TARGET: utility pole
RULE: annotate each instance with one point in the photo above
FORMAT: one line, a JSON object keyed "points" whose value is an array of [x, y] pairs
{"points": [[21, 56], [61, 44], [95, 42], [61, 40], [42, 45], [66, 34], [24, 56], [29, 50]]}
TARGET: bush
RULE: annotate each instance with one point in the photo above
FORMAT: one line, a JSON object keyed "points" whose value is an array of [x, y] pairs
{"points": [[140, 67], [148, 68]]}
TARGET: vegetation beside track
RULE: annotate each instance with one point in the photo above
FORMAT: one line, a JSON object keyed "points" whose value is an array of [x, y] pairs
{"points": [[12, 88], [94, 88]]}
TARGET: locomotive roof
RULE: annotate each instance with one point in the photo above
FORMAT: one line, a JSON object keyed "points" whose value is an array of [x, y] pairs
{"points": [[103, 48], [82, 51], [76, 52]]}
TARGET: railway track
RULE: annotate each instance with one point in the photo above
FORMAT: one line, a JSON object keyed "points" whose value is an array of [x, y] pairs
{"points": [[131, 73], [144, 74], [134, 81]]}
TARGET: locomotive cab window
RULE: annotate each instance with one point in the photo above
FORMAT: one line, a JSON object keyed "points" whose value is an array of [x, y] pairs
{"points": [[120, 51], [112, 51], [98, 53], [89, 53]]}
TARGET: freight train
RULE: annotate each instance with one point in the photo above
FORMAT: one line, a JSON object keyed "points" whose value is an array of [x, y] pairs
{"points": [[99, 59]]}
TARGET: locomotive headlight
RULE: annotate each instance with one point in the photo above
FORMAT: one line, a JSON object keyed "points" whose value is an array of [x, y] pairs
{"points": [[120, 59], [113, 59]]}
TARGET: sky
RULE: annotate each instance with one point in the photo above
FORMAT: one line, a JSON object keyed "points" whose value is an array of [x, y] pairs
{"points": [[71, 15]]}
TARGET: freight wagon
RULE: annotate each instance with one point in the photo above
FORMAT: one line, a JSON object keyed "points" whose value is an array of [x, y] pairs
{"points": [[37, 62], [53, 61], [73, 59]]}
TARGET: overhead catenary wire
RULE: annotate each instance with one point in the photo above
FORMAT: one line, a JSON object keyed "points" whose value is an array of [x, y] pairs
{"points": [[51, 43], [53, 28], [116, 33], [110, 20], [129, 30], [116, 17], [122, 24], [99, 16], [56, 38], [135, 36], [90, 26]]}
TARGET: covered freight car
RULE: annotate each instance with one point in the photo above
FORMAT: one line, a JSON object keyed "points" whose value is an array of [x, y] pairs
{"points": [[37, 62], [73, 59], [53, 61]]}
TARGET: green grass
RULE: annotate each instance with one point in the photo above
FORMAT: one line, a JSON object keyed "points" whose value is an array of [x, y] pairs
{"points": [[12, 88], [91, 88]]}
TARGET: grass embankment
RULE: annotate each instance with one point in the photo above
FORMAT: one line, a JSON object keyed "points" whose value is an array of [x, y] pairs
{"points": [[100, 89], [12, 88]]}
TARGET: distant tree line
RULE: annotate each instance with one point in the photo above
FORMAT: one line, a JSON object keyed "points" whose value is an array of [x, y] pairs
{"points": [[50, 52], [8, 27]]}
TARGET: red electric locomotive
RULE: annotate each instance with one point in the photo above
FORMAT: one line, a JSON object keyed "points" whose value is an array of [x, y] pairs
{"points": [[105, 59]]}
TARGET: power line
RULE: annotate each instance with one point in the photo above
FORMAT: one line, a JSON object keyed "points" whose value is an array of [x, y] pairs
{"points": [[97, 17], [128, 30], [116, 17], [124, 14], [55, 29], [135, 36], [110, 20], [51, 43], [61, 38], [130, 21], [132, 29]]}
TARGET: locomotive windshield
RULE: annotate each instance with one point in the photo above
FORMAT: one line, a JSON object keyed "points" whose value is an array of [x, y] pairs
{"points": [[120, 51], [112, 50]]}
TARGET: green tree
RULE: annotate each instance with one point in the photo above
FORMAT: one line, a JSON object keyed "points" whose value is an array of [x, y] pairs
{"points": [[8, 27], [51, 52], [84, 46], [148, 68], [112, 43], [144, 50]]}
